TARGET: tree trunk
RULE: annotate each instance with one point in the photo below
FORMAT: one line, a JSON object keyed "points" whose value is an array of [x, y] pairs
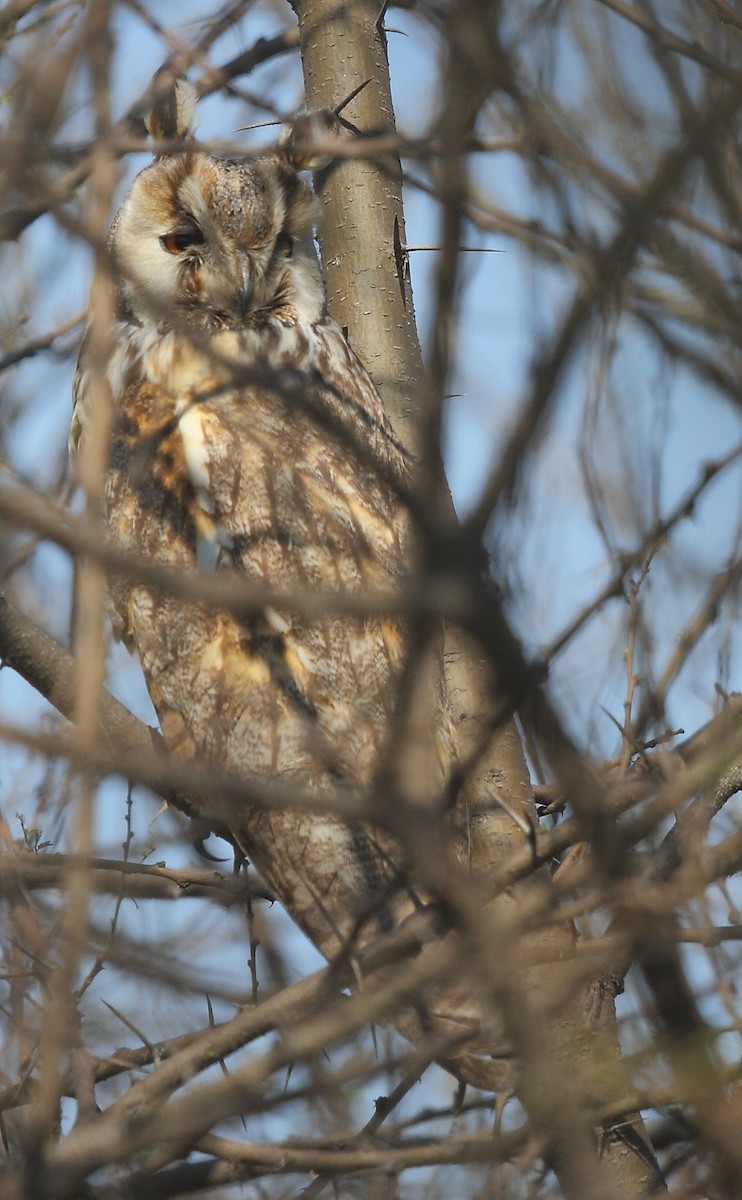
{"points": [[363, 250]]}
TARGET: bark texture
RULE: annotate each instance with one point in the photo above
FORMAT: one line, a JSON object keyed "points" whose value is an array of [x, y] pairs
{"points": [[363, 248]]}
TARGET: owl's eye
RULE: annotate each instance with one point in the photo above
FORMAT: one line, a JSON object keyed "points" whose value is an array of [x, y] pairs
{"points": [[181, 238]]}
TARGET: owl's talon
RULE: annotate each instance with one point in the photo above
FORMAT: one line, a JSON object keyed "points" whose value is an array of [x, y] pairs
{"points": [[200, 830]]}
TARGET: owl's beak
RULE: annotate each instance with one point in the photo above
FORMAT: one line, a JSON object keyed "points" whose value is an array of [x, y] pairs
{"points": [[243, 295]]}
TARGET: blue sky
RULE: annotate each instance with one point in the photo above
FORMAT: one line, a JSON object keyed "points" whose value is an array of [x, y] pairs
{"points": [[550, 550], [548, 553]]}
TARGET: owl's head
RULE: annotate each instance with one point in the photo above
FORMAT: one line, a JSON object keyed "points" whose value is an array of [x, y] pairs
{"points": [[213, 238]]}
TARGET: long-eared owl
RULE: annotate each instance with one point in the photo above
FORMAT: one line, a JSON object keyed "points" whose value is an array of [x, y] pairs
{"points": [[248, 438]]}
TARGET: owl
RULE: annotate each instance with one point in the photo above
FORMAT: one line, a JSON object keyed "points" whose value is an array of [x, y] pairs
{"points": [[248, 439]]}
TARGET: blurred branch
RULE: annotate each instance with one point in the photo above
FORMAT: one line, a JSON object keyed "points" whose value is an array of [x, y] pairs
{"points": [[48, 667], [55, 191], [651, 542], [37, 345], [233, 1162], [131, 880], [611, 265], [80, 535], [723, 585], [263, 50], [117, 1063], [624, 187], [184, 1121], [673, 42], [15, 11]]}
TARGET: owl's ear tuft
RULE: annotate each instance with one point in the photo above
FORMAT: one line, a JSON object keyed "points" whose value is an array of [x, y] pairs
{"points": [[310, 141], [172, 107]]}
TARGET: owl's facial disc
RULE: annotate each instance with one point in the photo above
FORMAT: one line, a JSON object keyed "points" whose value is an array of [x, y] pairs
{"points": [[197, 235]]}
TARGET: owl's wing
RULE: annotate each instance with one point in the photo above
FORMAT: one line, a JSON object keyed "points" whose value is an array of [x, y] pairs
{"points": [[293, 479], [307, 448], [294, 483]]}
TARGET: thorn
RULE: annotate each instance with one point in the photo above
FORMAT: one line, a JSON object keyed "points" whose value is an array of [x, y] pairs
{"points": [[402, 262], [344, 103], [372, 1031], [464, 249], [162, 809], [257, 125], [381, 13]]}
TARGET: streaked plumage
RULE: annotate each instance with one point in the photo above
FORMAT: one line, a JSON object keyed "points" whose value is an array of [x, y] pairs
{"points": [[248, 437]]}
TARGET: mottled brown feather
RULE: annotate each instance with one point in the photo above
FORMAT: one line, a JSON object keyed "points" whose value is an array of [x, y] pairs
{"points": [[246, 426]]}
